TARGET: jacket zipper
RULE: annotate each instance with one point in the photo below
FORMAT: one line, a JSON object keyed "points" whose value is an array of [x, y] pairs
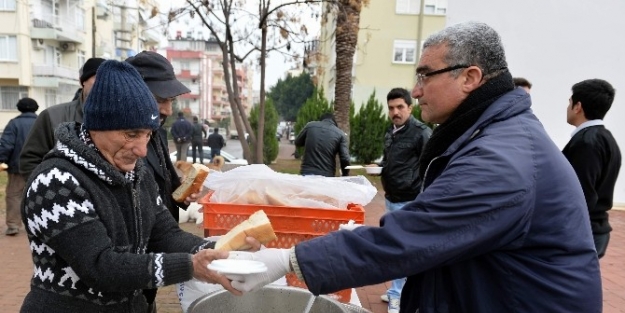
{"points": [[427, 169], [137, 214]]}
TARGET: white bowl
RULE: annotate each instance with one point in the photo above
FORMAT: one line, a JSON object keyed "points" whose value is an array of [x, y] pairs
{"points": [[374, 170]]}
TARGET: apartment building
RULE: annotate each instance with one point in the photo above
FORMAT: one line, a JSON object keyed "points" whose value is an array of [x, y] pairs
{"points": [[43, 44], [198, 64], [386, 53]]}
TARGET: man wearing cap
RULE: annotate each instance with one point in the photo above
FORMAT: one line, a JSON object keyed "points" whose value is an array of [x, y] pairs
{"points": [[158, 75], [41, 139], [94, 216], [11, 143]]}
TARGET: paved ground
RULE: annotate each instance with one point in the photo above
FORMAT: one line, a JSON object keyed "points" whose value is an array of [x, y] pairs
{"points": [[16, 266]]}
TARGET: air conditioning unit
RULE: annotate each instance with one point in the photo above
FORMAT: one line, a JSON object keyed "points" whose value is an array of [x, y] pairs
{"points": [[38, 44], [68, 46]]}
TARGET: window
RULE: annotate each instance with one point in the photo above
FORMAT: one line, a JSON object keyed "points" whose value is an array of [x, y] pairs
{"points": [[10, 95], [49, 55], [82, 57], [431, 7], [8, 48], [50, 97], [80, 19], [7, 5], [404, 51], [184, 65]]}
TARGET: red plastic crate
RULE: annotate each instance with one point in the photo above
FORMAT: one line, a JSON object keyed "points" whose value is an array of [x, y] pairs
{"points": [[291, 225]]}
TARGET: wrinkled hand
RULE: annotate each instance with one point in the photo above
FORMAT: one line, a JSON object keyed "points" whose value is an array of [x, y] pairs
{"points": [[192, 198], [201, 271], [276, 260], [351, 225]]}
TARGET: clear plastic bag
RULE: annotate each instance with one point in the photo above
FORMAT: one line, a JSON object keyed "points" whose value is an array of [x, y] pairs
{"points": [[259, 184]]}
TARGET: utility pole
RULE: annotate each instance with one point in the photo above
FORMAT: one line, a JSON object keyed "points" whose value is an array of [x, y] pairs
{"points": [[93, 31]]}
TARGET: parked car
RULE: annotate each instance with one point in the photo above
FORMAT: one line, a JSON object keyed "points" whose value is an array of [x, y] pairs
{"points": [[235, 135], [206, 152]]}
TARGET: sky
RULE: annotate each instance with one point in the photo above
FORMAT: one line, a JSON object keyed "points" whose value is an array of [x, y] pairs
{"points": [[277, 63]]}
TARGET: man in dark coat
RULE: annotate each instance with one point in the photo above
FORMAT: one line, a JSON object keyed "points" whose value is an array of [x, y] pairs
{"points": [[500, 224], [215, 142], [158, 74], [594, 153], [197, 139], [182, 131], [11, 143], [323, 141]]}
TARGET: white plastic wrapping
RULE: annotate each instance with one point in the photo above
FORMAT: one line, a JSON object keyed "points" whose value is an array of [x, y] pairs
{"points": [[259, 184]]}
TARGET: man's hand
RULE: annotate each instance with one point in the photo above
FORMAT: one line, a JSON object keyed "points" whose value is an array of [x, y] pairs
{"points": [[253, 243], [276, 260], [201, 271], [192, 198]]}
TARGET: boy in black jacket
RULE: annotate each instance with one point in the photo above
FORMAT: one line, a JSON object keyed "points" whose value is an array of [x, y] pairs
{"points": [[593, 153]]}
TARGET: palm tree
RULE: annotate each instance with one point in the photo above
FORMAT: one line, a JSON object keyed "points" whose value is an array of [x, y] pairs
{"points": [[346, 34]]}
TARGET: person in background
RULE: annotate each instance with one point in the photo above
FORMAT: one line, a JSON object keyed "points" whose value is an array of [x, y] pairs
{"points": [[523, 83], [41, 138], [11, 143], [403, 143], [216, 142], [594, 153], [197, 139], [500, 224], [94, 212], [158, 74], [322, 141], [182, 130]]}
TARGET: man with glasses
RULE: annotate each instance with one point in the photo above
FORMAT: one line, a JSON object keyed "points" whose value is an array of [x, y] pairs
{"points": [[500, 225], [159, 75]]}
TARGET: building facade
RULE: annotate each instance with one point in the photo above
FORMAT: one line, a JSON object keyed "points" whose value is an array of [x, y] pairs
{"points": [[43, 44], [387, 51], [198, 64]]}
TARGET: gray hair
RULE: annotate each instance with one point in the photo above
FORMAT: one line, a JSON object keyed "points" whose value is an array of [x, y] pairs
{"points": [[471, 43]]}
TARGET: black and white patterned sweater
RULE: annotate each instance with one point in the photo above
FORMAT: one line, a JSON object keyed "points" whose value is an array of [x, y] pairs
{"points": [[89, 226]]}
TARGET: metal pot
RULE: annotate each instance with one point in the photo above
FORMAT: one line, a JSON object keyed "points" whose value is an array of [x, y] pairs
{"points": [[276, 299]]}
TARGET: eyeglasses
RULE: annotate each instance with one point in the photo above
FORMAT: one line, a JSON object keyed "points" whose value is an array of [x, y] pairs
{"points": [[133, 135], [160, 100], [422, 76]]}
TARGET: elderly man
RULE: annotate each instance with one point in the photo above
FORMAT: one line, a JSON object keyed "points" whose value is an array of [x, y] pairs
{"points": [[92, 210], [500, 225]]}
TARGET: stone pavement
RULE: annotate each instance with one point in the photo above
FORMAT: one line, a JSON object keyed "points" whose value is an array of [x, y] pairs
{"points": [[16, 266]]}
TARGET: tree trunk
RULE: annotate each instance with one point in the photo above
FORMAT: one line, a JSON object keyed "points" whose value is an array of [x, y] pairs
{"points": [[260, 142], [347, 25]]}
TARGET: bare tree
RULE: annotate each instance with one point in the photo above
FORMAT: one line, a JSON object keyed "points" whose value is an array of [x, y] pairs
{"points": [[236, 31]]}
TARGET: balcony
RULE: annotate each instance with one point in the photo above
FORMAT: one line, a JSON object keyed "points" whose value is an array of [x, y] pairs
{"points": [[151, 37], [52, 76], [57, 27]]}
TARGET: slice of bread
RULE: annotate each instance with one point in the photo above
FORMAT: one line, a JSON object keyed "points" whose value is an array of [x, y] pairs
{"points": [[257, 226], [192, 182]]}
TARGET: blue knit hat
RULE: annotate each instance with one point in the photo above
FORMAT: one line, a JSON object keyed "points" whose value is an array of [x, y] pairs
{"points": [[120, 100]]}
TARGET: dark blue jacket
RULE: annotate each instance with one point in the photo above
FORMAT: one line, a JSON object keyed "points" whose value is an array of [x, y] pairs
{"points": [[13, 139], [182, 130], [500, 226]]}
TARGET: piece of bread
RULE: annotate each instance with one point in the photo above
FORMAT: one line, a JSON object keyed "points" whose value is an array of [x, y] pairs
{"points": [[192, 183], [257, 226], [3, 166]]}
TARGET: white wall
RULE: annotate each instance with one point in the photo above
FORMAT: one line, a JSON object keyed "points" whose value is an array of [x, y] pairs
{"points": [[554, 44]]}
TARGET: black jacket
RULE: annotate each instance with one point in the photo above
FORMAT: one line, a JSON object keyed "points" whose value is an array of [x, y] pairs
{"points": [[215, 141], [596, 159], [322, 141], [41, 138], [198, 133], [13, 138], [400, 172], [164, 173], [101, 236]]}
